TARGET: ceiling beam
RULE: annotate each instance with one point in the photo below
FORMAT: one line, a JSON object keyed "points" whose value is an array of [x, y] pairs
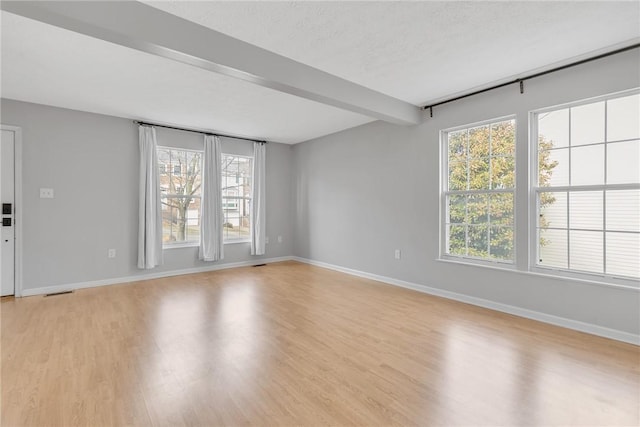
{"points": [[147, 29]]}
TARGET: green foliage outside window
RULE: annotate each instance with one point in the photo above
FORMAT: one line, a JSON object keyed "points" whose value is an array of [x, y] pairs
{"points": [[481, 159]]}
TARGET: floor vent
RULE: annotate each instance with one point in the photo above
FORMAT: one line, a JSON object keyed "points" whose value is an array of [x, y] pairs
{"points": [[260, 265], [58, 293]]}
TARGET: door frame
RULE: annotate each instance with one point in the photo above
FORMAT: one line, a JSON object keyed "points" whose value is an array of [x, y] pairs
{"points": [[18, 206]]}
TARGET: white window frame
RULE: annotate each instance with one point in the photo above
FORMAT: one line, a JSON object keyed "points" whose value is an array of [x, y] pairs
{"points": [[169, 245], [444, 193], [226, 240], [534, 267]]}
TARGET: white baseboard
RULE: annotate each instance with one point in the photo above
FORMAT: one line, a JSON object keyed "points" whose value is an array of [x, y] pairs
{"points": [[148, 276], [505, 308]]}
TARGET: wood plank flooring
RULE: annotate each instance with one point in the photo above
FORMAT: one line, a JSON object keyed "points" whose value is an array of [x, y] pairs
{"points": [[293, 344]]}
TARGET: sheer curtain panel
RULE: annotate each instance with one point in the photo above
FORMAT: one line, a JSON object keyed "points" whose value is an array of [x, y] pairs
{"points": [[211, 239], [150, 210], [258, 211]]}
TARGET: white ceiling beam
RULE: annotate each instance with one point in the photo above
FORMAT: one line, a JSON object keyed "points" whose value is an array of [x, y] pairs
{"points": [[138, 26]]}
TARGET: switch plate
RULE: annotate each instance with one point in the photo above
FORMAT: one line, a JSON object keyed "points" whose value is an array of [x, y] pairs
{"points": [[266, 240], [46, 193], [279, 239], [397, 254], [111, 253]]}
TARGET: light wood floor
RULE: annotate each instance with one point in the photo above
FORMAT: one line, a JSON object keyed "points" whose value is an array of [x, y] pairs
{"points": [[292, 344]]}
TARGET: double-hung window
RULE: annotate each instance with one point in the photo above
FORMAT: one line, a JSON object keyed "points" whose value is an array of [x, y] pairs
{"points": [[478, 191], [180, 191], [236, 197], [586, 186]]}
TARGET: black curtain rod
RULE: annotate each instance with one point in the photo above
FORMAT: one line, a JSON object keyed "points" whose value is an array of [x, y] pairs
{"points": [[198, 131], [521, 80]]}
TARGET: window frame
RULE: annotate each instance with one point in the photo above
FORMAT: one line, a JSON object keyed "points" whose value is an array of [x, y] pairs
{"points": [[535, 189], [226, 240], [445, 193], [169, 245]]}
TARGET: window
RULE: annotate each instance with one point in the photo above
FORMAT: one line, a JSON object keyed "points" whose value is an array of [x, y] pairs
{"points": [[586, 175], [478, 191], [180, 189], [236, 197]]}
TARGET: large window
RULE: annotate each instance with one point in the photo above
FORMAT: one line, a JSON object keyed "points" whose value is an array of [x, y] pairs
{"points": [[586, 174], [236, 197], [478, 191], [180, 188]]}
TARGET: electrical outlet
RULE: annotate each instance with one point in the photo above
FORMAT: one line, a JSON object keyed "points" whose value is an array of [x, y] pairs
{"points": [[279, 239], [111, 253], [397, 254], [46, 193]]}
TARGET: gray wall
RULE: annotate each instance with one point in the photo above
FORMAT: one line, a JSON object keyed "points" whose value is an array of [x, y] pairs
{"points": [[91, 162], [361, 193], [352, 197]]}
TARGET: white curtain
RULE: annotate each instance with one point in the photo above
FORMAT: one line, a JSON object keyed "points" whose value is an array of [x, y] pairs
{"points": [[211, 238], [150, 210], [258, 211]]}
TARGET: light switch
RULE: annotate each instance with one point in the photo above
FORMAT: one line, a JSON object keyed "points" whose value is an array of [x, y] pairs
{"points": [[46, 193]]}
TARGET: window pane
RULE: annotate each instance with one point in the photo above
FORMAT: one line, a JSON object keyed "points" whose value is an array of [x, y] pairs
{"points": [[503, 138], [623, 118], [586, 251], [478, 241], [167, 221], [181, 174], [552, 248], [481, 158], [623, 254], [503, 172], [479, 142], [623, 162], [501, 209], [553, 168], [477, 209], [501, 239], [457, 240], [458, 175], [180, 220], [193, 221], [586, 210], [553, 210], [587, 124], [587, 165], [623, 210], [457, 145], [236, 194], [192, 173], [479, 174], [553, 129], [457, 207]]}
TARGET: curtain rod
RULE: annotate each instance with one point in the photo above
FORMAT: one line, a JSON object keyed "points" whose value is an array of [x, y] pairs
{"points": [[521, 80], [197, 131]]}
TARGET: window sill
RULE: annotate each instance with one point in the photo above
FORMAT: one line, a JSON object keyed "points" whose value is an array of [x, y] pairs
{"points": [[233, 242], [543, 273], [479, 263], [584, 278], [181, 245]]}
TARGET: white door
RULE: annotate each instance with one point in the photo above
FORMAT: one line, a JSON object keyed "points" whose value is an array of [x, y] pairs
{"points": [[7, 200]]}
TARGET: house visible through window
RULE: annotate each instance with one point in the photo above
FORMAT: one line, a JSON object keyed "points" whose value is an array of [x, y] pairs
{"points": [[236, 197], [587, 187], [478, 191], [180, 188]]}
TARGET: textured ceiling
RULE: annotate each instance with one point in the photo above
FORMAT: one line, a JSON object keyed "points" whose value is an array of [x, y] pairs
{"points": [[51, 66], [414, 51], [421, 51]]}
